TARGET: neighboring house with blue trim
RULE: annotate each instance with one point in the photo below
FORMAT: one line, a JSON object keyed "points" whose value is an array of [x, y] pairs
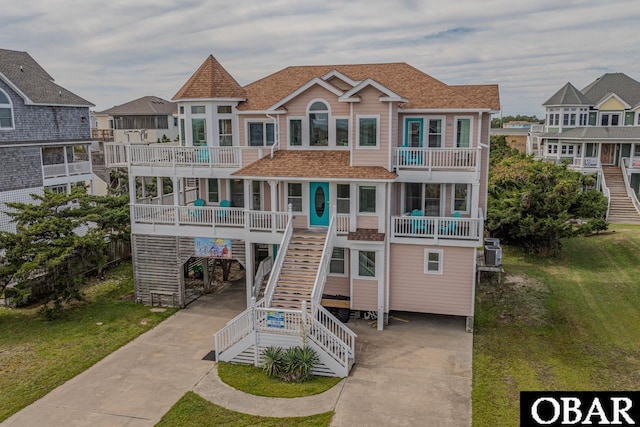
{"points": [[44, 133]]}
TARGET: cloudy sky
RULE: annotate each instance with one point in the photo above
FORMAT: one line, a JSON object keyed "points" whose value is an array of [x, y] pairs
{"points": [[115, 51]]}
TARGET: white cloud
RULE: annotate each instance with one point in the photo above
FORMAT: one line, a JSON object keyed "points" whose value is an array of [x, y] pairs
{"points": [[115, 51]]}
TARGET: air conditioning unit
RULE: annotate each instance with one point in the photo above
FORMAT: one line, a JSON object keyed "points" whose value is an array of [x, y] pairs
{"points": [[492, 256]]}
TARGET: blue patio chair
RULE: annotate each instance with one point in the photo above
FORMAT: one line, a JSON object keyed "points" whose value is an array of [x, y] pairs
{"points": [[196, 212], [450, 227], [418, 226], [410, 157], [222, 213], [202, 156]]}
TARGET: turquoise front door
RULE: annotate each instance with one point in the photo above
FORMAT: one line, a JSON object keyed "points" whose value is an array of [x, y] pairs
{"points": [[319, 204], [413, 133]]}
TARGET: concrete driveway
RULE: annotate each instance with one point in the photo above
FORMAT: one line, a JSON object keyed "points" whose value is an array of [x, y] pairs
{"points": [[411, 374]]}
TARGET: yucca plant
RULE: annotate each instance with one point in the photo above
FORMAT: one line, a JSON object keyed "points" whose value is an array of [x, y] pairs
{"points": [[273, 361], [299, 363]]}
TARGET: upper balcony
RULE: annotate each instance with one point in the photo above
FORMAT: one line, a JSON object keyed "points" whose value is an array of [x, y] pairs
{"points": [[447, 231], [169, 160], [436, 159], [66, 169]]}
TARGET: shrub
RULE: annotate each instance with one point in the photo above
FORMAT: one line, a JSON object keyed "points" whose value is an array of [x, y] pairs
{"points": [[293, 365], [273, 361]]}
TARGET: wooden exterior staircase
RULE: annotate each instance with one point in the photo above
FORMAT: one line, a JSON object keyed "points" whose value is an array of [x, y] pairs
{"points": [[290, 313], [621, 208], [299, 269]]}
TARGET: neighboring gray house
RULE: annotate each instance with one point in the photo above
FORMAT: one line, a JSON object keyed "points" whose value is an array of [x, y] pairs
{"points": [[44, 133], [146, 119], [597, 130]]}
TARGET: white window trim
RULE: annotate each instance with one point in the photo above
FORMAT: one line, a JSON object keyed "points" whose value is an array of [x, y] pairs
{"points": [[264, 123], [302, 194], [357, 265], [358, 212], [219, 192], [453, 198], [11, 109], [610, 114], [443, 133], [336, 198], [440, 253], [423, 194], [455, 130], [307, 129], [295, 147], [333, 131], [357, 141], [345, 264]]}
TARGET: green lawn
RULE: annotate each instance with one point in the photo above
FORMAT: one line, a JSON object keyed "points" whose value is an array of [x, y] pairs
{"points": [[193, 410], [254, 381], [36, 356], [571, 323]]}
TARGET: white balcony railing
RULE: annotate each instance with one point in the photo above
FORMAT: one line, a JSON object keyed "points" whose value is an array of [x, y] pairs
{"points": [[68, 169], [343, 222], [121, 155], [436, 158], [209, 216], [429, 227]]}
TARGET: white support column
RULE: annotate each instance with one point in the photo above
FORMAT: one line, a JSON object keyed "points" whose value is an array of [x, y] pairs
{"points": [[144, 186], [249, 269], [475, 199], [273, 193], [93, 190], [132, 188], [176, 191], [248, 194], [159, 189], [380, 264]]}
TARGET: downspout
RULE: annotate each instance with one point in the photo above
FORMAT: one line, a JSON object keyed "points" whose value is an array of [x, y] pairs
{"points": [[387, 274], [276, 131]]}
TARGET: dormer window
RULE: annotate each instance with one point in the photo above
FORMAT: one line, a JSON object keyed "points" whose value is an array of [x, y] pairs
{"points": [[318, 124], [6, 111], [610, 119]]}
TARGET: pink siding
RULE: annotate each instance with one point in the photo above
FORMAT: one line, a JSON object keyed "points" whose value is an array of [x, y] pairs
{"points": [[365, 295], [242, 125], [222, 188], [250, 155], [337, 285], [448, 293], [449, 127], [298, 105], [266, 197], [370, 105], [365, 221]]}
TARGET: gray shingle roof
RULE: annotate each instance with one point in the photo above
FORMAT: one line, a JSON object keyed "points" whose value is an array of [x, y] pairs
{"points": [[34, 82], [568, 95], [145, 106], [597, 132], [619, 83]]}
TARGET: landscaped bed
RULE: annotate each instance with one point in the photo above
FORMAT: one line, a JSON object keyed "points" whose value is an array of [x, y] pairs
{"points": [[37, 355], [558, 324]]}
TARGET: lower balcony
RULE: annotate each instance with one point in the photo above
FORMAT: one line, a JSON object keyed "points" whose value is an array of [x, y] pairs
{"points": [[66, 169], [437, 230]]}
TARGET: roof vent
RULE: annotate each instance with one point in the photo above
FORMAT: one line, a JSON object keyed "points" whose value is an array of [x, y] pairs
{"points": [[21, 69]]}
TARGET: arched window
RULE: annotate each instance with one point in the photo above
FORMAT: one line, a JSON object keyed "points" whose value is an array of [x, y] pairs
{"points": [[318, 124], [6, 113]]}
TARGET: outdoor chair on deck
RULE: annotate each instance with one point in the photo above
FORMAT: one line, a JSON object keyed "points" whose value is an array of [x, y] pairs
{"points": [[221, 215], [203, 155], [197, 213], [418, 226], [410, 157], [450, 227]]}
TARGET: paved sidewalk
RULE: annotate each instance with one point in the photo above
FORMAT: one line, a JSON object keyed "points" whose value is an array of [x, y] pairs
{"points": [[416, 373]]}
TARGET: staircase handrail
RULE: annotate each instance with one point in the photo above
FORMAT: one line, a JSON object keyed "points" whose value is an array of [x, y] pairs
{"points": [[335, 326], [235, 329], [632, 195], [263, 269], [325, 260], [277, 264], [605, 191], [328, 341]]}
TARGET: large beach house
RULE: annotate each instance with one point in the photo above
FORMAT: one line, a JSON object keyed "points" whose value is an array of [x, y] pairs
{"points": [[597, 130], [366, 184]]}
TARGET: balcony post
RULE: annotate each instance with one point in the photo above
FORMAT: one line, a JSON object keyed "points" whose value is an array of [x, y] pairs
{"points": [[176, 200], [159, 190], [273, 192]]}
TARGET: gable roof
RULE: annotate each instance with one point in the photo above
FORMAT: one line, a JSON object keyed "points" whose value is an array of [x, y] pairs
{"points": [[596, 133], [209, 81], [620, 84], [421, 90], [20, 71], [145, 106], [313, 164], [568, 95]]}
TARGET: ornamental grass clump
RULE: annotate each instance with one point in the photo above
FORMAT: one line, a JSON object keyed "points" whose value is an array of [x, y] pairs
{"points": [[292, 365]]}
